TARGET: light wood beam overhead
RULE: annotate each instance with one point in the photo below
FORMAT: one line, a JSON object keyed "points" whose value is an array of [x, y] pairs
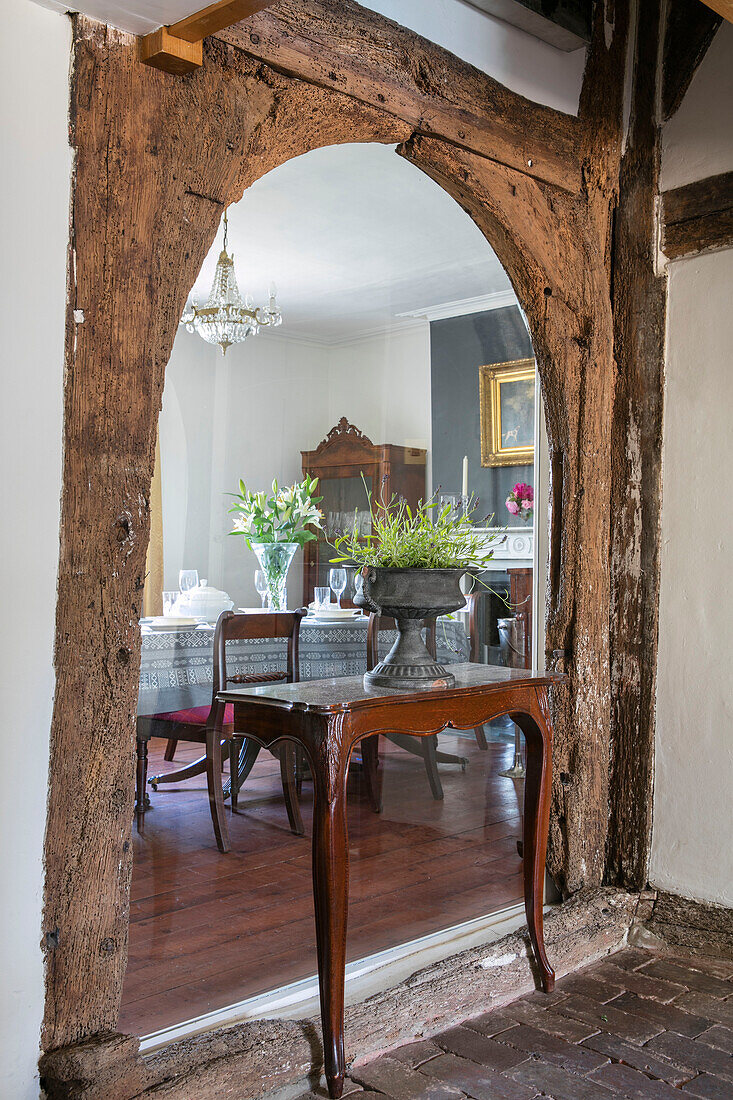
{"points": [[722, 7], [178, 48]]}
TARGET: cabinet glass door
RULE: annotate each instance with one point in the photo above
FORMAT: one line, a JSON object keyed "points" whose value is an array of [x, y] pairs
{"points": [[344, 503]]}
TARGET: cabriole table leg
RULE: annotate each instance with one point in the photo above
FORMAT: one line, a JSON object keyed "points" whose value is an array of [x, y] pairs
{"points": [[537, 730], [330, 894]]}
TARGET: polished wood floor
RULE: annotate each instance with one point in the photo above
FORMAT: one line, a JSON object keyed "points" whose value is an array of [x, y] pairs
{"points": [[208, 930]]}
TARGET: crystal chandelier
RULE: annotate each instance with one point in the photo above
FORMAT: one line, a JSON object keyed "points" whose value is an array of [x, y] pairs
{"points": [[226, 319]]}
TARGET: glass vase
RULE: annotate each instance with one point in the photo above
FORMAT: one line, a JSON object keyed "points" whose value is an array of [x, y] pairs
{"points": [[275, 559]]}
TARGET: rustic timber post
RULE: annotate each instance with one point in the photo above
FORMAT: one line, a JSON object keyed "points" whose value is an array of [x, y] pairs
{"points": [[639, 301]]}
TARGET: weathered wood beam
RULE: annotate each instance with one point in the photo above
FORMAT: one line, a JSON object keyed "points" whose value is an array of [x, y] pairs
{"points": [[722, 7], [698, 217], [339, 45], [639, 307], [178, 48], [690, 29]]}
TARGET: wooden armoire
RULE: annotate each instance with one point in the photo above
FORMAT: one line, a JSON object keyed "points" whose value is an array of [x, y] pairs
{"points": [[344, 461]]}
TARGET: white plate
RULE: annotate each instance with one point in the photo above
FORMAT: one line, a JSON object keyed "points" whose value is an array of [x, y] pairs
{"points": [[337, 612], [171, 622], [332, 618]]}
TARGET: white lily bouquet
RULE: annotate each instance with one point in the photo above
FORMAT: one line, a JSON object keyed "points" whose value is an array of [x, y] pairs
{"points": [[274, 526], [283, 516]]}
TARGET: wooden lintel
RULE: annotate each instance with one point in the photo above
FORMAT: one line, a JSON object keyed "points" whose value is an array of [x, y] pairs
{"points": [[722, 7], [698, 217], [178, 48]]}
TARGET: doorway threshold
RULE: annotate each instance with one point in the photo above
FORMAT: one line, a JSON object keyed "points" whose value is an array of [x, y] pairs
{"points": [[364, 977]]}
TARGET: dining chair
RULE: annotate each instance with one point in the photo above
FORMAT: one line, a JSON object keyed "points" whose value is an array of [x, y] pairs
{"points": [[424, 747], [213, 726]]}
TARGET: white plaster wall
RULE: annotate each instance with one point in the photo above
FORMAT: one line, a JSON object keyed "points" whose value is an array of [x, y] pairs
{"points": [[250, 414], [696, 142], [692, 852], [693, 806], [34, 216], [382, 384]]}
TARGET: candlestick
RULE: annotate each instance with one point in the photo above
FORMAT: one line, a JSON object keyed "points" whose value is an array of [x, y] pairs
{"points": [[464, 486]]}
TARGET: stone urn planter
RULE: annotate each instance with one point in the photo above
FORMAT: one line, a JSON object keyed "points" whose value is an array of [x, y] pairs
{"points": [[409, 596]]}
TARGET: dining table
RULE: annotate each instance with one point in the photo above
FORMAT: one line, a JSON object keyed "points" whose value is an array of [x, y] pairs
{"points": [[327, 718], [177, 673]]}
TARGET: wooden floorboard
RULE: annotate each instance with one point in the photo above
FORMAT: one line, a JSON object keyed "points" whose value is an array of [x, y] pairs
{"points": [[208, 930]]}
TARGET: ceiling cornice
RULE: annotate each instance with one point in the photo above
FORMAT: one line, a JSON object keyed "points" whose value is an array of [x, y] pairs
{"points": [[444, 310]]}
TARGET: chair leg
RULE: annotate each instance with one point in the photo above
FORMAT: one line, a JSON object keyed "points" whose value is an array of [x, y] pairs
{"points": [[235, 751], [481, 737], [247, 757], [370, 766], [170, 749], [299, 770], [141, 777], [430, 748], [216, 794], [287, 773]]}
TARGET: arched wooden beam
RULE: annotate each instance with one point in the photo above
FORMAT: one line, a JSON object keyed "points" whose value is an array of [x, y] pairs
{"points": [[353, 50], [156, 161]]}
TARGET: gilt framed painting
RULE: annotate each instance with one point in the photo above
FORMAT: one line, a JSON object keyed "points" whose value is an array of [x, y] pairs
{"points": [[506, 394]]}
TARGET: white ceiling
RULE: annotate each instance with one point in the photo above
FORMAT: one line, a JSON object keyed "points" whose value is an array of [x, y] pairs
{"points": [[354, 236]]}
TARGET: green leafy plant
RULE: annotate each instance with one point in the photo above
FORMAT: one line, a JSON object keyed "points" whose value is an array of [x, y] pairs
{"points": [[285, 515], [431, 536]]}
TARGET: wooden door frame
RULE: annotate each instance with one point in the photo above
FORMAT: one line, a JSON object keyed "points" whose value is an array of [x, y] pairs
{"points": [[157, 160]]}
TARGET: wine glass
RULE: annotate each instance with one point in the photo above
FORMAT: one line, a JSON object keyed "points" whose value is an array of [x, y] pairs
{"points": [[188, 579], [261, 585], [337, 579]]}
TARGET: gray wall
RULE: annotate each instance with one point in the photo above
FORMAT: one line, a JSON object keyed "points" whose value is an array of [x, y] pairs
{"points": [[458, 347]]}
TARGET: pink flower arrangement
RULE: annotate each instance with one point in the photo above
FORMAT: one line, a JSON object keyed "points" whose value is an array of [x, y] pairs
{"points": [[520, 501]]}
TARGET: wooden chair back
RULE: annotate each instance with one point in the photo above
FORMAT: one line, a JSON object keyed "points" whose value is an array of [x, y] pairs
{"points": [[378, 623], [232, 627]]}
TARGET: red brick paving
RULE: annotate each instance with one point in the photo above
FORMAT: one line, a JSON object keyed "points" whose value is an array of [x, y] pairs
{"points": [[637, 1025]]}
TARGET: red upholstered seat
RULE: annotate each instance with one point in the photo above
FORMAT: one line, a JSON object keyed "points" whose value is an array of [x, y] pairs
{"points": [[194, 716]]}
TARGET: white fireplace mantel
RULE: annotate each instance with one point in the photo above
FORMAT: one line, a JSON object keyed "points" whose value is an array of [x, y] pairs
{"points": [[513, 547]]}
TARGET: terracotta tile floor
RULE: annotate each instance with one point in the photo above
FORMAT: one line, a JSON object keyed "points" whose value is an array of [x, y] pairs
{"points": [[637, 1025]]}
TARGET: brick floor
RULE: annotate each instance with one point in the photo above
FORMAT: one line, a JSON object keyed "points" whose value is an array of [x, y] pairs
{"points": [[638, 1025]]}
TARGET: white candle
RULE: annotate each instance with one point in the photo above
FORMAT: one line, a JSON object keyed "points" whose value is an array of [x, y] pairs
{"points": [[464, 486]]}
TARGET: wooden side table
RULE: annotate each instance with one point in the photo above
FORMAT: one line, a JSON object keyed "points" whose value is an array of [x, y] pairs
{"points": [[328, 718]]}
